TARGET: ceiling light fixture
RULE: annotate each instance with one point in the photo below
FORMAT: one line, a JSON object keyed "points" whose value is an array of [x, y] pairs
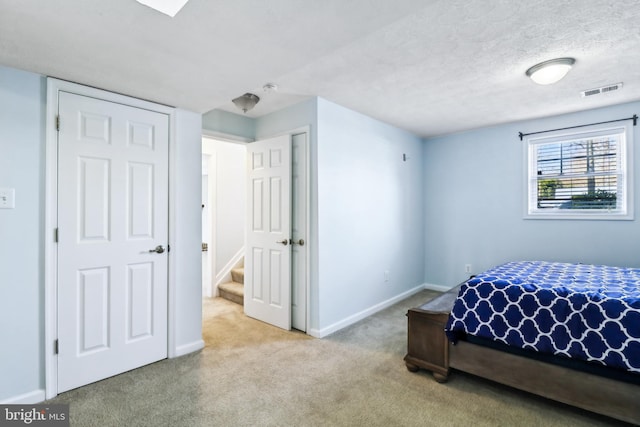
{"points": [[549, 72], [168, 7], [246, 102]]}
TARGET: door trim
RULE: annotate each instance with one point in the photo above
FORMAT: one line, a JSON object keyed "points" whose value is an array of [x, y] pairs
{"points": [[54, 86], [310, 242]]}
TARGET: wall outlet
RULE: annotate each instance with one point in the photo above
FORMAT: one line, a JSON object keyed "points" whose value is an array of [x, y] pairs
{"points": [[386, 275], [467, 268]]}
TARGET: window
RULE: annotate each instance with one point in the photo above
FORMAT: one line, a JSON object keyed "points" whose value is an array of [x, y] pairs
{"points": [[581, 175]]}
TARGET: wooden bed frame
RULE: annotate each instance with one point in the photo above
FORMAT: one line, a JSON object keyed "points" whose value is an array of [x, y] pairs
{"points": [[429, 348]]}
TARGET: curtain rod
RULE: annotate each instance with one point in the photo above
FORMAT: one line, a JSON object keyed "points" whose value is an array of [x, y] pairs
{"points": [[634, 118]]}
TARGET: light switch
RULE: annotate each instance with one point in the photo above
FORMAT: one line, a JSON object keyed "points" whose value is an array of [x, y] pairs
{"points": [[7, 198]]}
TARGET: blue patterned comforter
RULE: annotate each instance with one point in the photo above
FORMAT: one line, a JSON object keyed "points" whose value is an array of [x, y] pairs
{"points": [[586, 312]]}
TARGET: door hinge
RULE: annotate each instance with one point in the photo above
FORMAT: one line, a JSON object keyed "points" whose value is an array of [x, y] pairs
{"points": [[55, 347], [55, 235], [168, 248], [58, 123]]}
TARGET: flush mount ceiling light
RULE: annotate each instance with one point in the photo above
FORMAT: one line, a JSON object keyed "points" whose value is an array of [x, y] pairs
{"points": [[246, 102], [168, 7], [548, 72]]}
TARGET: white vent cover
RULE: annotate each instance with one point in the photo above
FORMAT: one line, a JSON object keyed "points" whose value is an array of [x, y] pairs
{"points": [[599, 90]]}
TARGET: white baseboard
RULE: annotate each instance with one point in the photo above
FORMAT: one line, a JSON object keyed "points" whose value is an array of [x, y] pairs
{"points": [[188, 348], [439, 288], [321, 333], [35, 396]]}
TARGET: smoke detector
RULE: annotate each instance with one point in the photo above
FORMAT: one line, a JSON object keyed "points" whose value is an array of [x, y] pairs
{"points": [[270, 87], [599, 90]]}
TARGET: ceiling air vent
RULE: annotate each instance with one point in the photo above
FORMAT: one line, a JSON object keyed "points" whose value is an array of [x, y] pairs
{"points": [[604, 89]]}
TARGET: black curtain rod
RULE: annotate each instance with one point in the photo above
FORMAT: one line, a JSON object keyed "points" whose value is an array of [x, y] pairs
{"points": [[634, 118]]}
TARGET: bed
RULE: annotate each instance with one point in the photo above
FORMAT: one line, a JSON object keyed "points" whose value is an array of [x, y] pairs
{"points": [[568, 332]]}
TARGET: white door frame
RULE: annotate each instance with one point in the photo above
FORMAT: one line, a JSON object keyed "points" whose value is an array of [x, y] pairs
{"points": [[211, 251], [309, 238], [54, 86]]}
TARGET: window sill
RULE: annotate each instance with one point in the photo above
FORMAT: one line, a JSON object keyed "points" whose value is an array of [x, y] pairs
{"points": [[580, 216]]}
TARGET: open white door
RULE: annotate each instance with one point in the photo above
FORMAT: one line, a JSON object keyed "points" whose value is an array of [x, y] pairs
{"points": [[113, 233], [267, 293]]}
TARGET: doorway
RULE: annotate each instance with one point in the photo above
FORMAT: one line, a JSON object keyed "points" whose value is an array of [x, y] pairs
{"points": [[223, 211], [217, 266]]}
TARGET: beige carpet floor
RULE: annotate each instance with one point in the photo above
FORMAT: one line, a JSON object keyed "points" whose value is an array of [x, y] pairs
{"points": [[252, 374]]}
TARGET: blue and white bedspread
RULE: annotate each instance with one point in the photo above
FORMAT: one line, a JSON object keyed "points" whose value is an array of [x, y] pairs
{"points": [[586, 312]]}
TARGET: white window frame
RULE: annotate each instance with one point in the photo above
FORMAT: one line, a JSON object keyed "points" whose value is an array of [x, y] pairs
{"points": [[625, 157]]}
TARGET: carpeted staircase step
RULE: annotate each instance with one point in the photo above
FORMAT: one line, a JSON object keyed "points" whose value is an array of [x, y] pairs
{"points": [[232, 291], [237, 274]]}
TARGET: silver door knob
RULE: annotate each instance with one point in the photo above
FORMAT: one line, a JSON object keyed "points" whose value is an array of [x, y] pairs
{"points": [[282, 242], [159, 249], [299, 242]]}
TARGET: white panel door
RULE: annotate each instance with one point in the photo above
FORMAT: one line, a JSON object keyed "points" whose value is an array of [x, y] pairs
{"points": [[267, 294], [113, 214]]}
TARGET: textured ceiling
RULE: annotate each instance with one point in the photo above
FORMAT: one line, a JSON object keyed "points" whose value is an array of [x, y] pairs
{"points": [[431, 67]]}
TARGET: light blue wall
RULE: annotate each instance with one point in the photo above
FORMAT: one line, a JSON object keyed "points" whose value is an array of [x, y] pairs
{"points": [[366, 209], [223, 122], [22, 154], [474, 204], [370, 212], [302, 114]]}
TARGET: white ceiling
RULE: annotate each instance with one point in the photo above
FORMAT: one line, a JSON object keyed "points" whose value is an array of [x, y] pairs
{"points": [[431, 67]]}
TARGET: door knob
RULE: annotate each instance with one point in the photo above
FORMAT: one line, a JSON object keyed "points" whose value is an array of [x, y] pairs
{"points": [[282, 242], [159, 249], [299, 242]]}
